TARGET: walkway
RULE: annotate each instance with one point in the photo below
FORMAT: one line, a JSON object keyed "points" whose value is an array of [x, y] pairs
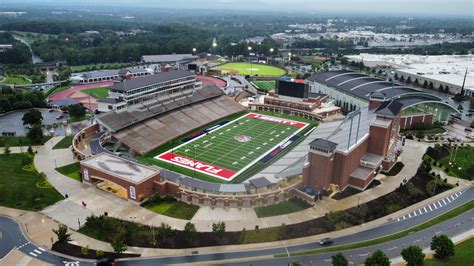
{"points": [[71, 212]]}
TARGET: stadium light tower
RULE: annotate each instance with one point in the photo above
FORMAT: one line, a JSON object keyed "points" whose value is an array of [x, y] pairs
{"points": [[250, 61], [214, 45]]}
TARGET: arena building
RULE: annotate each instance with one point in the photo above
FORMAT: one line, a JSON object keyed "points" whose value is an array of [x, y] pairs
{"points": [[353, 91]]}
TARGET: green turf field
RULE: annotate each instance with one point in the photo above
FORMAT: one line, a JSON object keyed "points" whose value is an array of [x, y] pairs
{"points": [[233, 147], [265, 85], [98, 93], [251, 69]]}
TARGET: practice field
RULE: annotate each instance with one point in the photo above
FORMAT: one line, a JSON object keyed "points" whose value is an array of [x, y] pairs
{"points": [[265, 85], [229, 149], [98, 93], [250, 69]]}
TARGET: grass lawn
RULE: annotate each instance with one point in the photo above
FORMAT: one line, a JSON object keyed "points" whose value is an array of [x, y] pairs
{"points": [[251, 69], [265, 85], [64, 143], [309, 59], [286, 207], [19, 141], [82, 68], [463, 255], [171, 207], [462, 160], [437, 220], [427, 132], [22, 187], [17, 79], [98, 93], [71, 170]]}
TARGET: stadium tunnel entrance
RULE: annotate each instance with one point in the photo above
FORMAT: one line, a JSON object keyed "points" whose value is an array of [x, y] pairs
{"points": [[109, 186]]}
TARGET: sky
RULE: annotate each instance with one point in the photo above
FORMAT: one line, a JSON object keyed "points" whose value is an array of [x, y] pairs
{"points": [[396, 7]]}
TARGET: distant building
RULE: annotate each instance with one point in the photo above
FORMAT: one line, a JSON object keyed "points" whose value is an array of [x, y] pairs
{"points": [[166, 58], [445, 73], [109, 75], [4, 47], [256, 40]]}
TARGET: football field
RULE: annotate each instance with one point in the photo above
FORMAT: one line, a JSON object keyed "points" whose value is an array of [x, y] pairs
{"points": [[230, 149]]}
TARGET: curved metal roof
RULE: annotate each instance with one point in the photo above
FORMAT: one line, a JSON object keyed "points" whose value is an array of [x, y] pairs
{"points": [[361, 85]]}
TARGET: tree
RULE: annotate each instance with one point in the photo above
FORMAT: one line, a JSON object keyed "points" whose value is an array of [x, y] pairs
{"points": [[7, 150], [218, 229], [85, 250], [190, 231], [118, 246], [32, 117], [35, 134], [339, 260], [413, 255], [77, 111], [377, 259], [442, 246], [62, 234], [164, 232]]}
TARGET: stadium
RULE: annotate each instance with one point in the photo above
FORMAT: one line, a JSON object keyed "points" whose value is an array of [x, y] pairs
{"points": [[177, 136]]}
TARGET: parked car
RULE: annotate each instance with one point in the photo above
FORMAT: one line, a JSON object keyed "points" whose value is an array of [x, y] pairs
{"points": [[59, 117], [105, 262], [325, 241], [467, 129]]}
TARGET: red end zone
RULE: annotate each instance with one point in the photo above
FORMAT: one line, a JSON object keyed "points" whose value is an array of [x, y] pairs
{"points": [[198, 165], [277, 120]]}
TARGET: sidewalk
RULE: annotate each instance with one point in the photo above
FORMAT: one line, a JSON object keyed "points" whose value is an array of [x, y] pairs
{"points": [[40, 231], [71, 212], [19, 149]]}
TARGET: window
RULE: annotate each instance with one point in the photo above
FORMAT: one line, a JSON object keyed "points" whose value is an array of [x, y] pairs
{"points": [[133, 194]]}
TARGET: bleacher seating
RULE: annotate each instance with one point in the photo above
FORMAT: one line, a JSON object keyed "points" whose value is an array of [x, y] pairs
{"points": [[155, 124]]}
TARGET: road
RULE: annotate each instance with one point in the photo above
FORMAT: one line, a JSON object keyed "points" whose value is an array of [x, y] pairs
{"points": [[13, 238], [390, 227]]}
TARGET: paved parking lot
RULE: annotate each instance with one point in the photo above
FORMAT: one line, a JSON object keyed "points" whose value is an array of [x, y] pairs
{"points": [[12, 122]]}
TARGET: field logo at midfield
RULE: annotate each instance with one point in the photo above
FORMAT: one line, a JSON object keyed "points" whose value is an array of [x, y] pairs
{"points": [[242, 138], [197, 165], [277, 120]]}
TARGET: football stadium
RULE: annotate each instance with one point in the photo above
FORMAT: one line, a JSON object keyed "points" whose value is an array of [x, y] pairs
{"points": [[175, 135], [250, 69]]}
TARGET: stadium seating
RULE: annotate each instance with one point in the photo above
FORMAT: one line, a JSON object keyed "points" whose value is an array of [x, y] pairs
{"points": [[155, 124]]}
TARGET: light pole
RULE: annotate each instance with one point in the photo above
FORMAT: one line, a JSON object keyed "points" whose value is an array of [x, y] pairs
{"points": [[214, 45], [194, 51], [289, 58], [250, 61], [271, 54]]}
